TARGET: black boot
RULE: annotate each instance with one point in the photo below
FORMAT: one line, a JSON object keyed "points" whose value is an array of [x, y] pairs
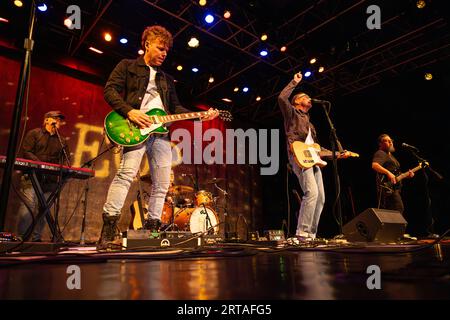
{"points": [[110, 231], [152, 224]]}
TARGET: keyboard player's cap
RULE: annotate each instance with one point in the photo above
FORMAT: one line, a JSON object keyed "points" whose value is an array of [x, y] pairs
{"points": [[54, 114]]}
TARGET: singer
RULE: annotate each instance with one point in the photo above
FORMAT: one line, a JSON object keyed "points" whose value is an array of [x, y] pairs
{"points": [[387, 168], [298, 127], [40, 144]]}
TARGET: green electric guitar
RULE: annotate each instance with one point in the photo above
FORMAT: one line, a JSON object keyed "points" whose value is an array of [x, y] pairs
{"points": [[123, 132]]}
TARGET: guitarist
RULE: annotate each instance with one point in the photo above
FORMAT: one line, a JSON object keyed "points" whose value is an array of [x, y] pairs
{"points": [[387, 167], [134, 87], [298, 127]]}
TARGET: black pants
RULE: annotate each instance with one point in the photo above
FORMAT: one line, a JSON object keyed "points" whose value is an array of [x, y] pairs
{"points": [[392, 201]]}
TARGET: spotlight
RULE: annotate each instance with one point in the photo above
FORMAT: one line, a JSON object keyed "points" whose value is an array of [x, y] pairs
{"points": [[179, 67], [283, 49], [321, 69], [227, 100], [107, 36], [313, 60], [236, 89], [227, 14], [202, 3], [193, 42], [263, 53], [4, 20], [307, 74], [264, 37], [209, 18], [211, 80], [18, 3], [428, 76], [123, 40], [258, 98], [95, 50], [421, 4], [42, 7], [67, 22], [245, 89], [194, 69], [141, 52]]}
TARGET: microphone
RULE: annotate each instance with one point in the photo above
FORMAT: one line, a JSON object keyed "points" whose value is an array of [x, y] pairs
{"points": [[53, 124], [319, 101], [408, 146]]}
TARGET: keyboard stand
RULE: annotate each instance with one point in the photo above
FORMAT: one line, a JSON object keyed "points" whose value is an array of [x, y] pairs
{"points": [[46, 204]]}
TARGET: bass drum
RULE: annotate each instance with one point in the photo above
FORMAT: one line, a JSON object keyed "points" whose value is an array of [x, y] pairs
{"points": [[195, 219]]}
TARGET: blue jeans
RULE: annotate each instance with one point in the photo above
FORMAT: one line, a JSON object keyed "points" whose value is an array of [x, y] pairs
{"points": [[24, 216], [159, 154], [313, 199]]}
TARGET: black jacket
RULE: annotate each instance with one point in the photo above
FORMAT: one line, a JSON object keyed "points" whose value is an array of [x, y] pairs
{"points": [[130, 77]]}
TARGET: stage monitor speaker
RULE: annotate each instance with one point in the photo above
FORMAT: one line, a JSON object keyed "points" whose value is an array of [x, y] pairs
{"points": [[376, 225]]}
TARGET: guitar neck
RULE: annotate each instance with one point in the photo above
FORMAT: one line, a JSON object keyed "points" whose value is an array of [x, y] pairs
{"points": [[181, 116], [405, 174]]}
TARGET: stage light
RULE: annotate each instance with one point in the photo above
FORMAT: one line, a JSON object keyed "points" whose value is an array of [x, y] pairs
{"points": [[226, 100], [42, 7], [209, 18], [227, 14], [264, 37], [236, 89], [67, 22], [421, 4], [211, 80], [283, 49], [107, 36], [4, 20], [263, 53], [18, 3], [307, 74], [321, 69], [202, 3], [95, 50], [194, 69], [428, 76], [179, 67], [193, 42], [141, 52], [313, 60], [245, 89], [258, 98], [123, 40]]}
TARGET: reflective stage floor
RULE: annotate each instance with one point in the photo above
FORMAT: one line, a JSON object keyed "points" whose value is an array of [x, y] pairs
{"points": [[233, 272]]}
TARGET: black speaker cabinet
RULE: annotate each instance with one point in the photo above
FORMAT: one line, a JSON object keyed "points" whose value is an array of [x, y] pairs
{"points": [[376, 225]]}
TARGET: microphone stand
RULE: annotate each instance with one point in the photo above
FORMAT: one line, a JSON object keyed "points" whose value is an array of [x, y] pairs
{"points": [[335, 143], [65, 157], [89, 164], [430, 228]]}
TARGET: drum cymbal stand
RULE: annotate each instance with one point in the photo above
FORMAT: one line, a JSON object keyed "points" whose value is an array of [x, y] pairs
{"points": [[225, 212]]}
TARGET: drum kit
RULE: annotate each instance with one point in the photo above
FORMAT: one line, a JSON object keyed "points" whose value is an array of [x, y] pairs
{"points": [[186, 209]]}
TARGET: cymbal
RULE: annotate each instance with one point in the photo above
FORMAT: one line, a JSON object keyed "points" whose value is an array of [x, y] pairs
{"points": [[181, 189], [215, 180]]}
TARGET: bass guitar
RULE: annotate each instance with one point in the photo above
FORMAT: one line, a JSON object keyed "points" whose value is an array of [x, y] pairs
{"points": [[391, 187], [309, 155], [124, 132]]}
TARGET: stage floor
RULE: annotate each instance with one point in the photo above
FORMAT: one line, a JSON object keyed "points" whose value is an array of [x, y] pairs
{"points": [[233, 272]]}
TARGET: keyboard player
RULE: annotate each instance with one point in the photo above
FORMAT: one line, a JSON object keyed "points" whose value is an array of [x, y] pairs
{"points": [[46, 145]]}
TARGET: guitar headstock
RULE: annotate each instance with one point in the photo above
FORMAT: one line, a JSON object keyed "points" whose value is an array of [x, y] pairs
{"points": [[225, 115]]}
